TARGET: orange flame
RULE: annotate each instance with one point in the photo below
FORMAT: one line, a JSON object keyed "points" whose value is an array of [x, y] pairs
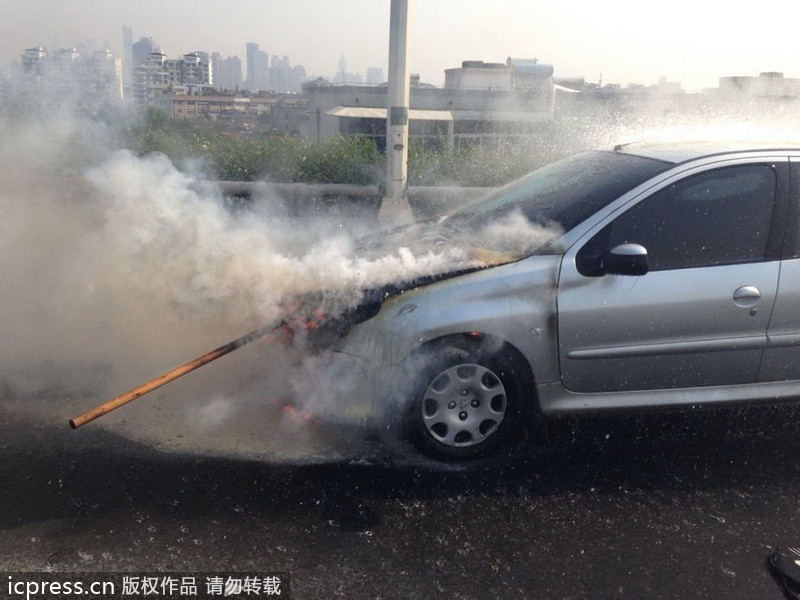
{"points": [[291, 411]]}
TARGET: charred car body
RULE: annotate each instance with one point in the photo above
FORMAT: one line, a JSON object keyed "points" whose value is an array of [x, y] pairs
{"points": [[671, 279]]}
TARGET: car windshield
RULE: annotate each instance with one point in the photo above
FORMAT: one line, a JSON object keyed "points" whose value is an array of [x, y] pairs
{"points": [[565, 192]]}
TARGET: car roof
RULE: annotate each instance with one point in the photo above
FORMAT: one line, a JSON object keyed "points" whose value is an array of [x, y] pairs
{"points": [[682, 151]]}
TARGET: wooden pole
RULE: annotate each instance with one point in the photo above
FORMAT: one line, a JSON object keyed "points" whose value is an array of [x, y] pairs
{"points": [[170, 375]]}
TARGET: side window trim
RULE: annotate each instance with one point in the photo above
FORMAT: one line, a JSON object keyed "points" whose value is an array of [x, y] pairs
{"points": [[775, 246], [778, 225], [791, 238]]}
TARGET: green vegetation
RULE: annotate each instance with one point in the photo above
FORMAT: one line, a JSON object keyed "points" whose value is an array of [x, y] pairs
{"points": [[270, 157], [473, 166], [340, 159]]}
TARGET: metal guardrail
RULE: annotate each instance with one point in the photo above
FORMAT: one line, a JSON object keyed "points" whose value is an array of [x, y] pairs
{"points": [[362, 201]]}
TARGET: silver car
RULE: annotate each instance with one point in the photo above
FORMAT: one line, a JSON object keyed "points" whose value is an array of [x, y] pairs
{"points": [[673, 281]]}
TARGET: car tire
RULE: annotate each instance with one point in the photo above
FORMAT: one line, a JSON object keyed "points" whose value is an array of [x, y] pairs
{"points": [[468, 401]]}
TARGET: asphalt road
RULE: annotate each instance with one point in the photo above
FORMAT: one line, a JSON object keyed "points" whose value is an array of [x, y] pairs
{"points": [[682, 506]]}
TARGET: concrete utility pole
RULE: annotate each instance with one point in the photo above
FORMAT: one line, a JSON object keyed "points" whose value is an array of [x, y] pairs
{"points": [[395, 207]]}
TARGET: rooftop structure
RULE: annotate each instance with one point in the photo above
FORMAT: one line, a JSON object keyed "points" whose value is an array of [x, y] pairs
{"points": [[766, 85], [481, 103]]}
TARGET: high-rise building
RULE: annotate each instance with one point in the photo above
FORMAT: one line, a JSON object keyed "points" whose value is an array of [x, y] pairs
{"points": [[196, 69], [257, 68], [141, 51], [280, 73], [299, 77], [252, 48], [151, 81], [375, 76], [80, 80], [227, 72], [127, 57], [342, 76], [104, 76], [276, 74], [157, 77], [33, 60]]}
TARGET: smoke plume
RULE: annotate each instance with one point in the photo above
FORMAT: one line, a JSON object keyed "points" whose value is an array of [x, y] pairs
{"points": [[117, 267]]}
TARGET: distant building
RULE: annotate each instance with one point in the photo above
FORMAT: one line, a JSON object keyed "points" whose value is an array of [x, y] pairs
{"points": [[283, 77], [127, 57], [33, 60], [85, 81], [157, 78], [275, 74], [375, 76], [257, 68], [194, 68], [227, 72], [141, 51], [481, 104], [299, 77], [278, 113], [280, 74], [766, 85], [151, 83], [214, 106], [104, 77], [477, 74], [343, 77], [289, 114]]}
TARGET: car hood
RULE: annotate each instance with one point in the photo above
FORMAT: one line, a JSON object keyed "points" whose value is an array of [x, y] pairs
{"points": [[433, 250], [461, 244]]}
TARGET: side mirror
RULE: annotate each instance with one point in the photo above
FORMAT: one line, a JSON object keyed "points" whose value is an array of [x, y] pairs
{"points": [[626, 259]]}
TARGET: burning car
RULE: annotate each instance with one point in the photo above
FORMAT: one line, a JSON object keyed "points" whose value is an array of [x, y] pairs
{"points": [[660, 275], [669, 278]]}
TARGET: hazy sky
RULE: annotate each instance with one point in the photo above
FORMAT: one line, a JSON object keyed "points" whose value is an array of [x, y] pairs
{"points": [[625, 41]]}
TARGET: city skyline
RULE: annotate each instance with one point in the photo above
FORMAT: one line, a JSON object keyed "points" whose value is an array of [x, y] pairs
{"points": [[619, 41], [252, 60]]}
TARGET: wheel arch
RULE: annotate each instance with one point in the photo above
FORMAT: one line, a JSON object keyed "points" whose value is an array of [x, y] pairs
{"points": [[473, 339], [480, 348]]}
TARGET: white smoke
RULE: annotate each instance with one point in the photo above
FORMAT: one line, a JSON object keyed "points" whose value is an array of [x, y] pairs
{"points": [[118, 267], [515, 234]]}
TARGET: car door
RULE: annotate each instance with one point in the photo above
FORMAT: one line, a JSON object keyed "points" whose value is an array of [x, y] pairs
{"points": [[699, 316], [782, 355]]}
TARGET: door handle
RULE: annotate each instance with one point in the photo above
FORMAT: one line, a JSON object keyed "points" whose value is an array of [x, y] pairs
{"points": [[747, 296]]}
